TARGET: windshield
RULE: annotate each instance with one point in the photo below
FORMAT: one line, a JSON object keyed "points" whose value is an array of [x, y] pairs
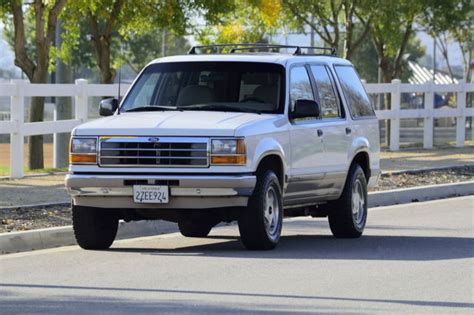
{"points": [[215, 86]]}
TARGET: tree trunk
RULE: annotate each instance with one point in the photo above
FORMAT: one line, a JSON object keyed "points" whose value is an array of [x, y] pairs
{"points": [[63, 107], [387, 78], [36, 113], [107, 73], [35, 143]]}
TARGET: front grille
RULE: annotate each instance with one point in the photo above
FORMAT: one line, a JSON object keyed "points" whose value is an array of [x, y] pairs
{"points": [[153, 152]]}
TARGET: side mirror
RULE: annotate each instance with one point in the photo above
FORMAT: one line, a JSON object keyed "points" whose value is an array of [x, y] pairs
{"points": [[108, 106], [306, 108]]}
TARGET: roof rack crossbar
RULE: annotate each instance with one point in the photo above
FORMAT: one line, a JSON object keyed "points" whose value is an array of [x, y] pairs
{"points": [[245, 46]]}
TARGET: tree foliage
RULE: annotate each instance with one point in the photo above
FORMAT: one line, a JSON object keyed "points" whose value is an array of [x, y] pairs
{"points": [[393, 25], [245, 21], [335, 21], [448, 21], [107, 19]]}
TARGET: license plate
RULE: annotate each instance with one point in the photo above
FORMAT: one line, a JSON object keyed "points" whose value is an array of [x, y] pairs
{"points": [[150, 194]]}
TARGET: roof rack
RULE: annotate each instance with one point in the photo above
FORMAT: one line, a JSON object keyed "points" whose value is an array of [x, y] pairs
{"points": [[240, 47]]}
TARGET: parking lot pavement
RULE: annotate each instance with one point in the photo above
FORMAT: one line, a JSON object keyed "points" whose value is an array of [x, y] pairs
{"points": [[414, 258]]}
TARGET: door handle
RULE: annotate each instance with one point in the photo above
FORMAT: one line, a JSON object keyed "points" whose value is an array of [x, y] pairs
{"points": [[320, 133], [348, 131]]}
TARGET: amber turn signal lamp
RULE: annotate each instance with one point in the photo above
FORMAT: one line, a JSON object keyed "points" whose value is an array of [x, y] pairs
{"points": [[82, 158], [229, 159]]}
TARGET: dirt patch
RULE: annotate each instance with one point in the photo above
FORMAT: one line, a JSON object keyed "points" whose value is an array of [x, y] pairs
{"points": [[5, 157], [420, 159]]}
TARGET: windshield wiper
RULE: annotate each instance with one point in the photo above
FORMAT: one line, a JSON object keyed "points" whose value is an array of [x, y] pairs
{"points": [[151, 108], [218, 107]]}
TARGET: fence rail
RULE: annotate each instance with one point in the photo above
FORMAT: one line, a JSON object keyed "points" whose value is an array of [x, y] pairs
{"points": [[428, 113], [18, 90]]}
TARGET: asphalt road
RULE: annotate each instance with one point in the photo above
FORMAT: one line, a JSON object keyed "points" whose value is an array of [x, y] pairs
{"points": [[415, 258]]}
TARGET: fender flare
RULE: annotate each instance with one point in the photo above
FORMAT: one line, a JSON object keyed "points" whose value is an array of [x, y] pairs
{"points": [[267, 147]]}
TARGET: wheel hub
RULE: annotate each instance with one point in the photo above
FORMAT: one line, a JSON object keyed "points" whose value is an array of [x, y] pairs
{"points": [[271, 213], [358, 203]]}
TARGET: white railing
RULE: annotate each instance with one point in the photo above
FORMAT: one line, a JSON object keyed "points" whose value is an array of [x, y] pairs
{"points": [[18, 90], [428, 113]]}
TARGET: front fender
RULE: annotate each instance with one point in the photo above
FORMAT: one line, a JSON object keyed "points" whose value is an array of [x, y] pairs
{"points": [[266, 147]]}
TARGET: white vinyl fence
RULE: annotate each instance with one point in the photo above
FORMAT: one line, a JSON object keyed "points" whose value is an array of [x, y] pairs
{"points": [[428, 112], [18, 90]]}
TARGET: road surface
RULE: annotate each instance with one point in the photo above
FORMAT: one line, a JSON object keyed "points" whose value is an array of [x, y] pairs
{"points": [[415, 258]]}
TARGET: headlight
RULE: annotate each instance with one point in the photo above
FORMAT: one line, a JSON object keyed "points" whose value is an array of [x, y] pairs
{"points": [[83, 151], [228, 152]]}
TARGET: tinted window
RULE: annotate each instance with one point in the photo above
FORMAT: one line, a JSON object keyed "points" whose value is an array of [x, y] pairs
{"points": [[300, 86], [213, 86], [357, 99], [327, 98]]}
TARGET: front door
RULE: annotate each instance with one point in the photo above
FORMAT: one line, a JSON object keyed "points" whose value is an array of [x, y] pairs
{"points": [[337, 133], [307, 148]]}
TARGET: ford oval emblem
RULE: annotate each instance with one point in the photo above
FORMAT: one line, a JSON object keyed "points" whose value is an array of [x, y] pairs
{"points": [[153, 139]]}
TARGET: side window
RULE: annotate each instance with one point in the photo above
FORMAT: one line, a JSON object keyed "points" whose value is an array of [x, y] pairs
{"points": [[357, 99], [327, 98], [300, 85]]}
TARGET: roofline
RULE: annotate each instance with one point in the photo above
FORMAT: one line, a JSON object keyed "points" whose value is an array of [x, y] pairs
{"points": [[282, 59]]}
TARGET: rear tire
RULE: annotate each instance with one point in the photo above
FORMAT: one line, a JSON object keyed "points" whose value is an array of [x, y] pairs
{"points": [[260, 223], [348, 215], [94, 228], [194, 229]]}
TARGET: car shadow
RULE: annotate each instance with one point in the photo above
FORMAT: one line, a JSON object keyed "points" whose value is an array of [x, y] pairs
{"points": [[371, 247]]}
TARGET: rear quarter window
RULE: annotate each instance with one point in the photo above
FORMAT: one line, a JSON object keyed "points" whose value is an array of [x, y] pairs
{"points": [[354, 92]]}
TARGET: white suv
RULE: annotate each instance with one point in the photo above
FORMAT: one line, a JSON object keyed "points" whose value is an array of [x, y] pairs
{"points": [[249, 136]]}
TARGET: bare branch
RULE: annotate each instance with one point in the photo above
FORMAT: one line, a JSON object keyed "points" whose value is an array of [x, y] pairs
{"points": [[364, 33], [325, 37], [53, 19], [109, 24], [406, 37]]}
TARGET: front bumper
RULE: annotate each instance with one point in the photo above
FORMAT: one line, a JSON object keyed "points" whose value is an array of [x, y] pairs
{"points": [[186, 191]]}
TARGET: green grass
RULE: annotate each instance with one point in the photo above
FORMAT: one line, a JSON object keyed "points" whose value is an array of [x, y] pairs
{"points": [[5, 170]]}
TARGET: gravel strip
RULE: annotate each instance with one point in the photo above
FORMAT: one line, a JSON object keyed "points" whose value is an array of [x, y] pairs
{"points": [[50, 216], [423, 178], [34, 218]]}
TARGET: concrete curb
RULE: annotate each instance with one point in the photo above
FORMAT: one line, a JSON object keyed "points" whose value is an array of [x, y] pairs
{"points": [[35, 175], [47, 204], [63, 236], [420, 193]]}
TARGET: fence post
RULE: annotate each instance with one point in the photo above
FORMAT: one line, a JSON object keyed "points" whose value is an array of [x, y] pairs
{"points": [[395, 120], [17, 139], [461, 117], [429, 114], [81, 101]]}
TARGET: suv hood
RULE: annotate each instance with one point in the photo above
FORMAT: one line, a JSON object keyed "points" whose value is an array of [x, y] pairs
{"points": [[169, 123]]}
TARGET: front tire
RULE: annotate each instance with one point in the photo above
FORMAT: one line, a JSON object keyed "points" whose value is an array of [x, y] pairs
{"points": [[261, 222], [348, 215], [94, 228]]}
